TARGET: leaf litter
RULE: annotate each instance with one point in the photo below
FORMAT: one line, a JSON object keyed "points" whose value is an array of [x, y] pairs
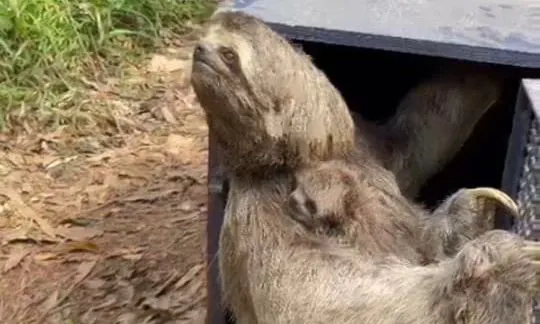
{"points": [[109, 228]]}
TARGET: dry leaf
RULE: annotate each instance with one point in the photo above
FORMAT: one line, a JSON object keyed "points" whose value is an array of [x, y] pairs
{"points": [[15, 259], [187, 206], [84, 270], [94, 283], [60, 161], [127, 293], [169, 117], [77, 233], [120, 252], [177, 144], [79, 246], [50, 302], [109, 301], [160, 63], [21, 208], [172, 278], [161, 303], [44, 256], [189, 276], [132, 257], [18, 234], [127, 318], [78, 221]]}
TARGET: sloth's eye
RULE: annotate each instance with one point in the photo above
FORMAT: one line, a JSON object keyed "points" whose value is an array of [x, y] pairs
{"points": [[228, 54], [311, 206]]}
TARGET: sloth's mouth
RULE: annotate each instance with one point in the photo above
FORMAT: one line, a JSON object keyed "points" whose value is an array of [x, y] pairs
{"points": [[202, 57], [203, 63]]}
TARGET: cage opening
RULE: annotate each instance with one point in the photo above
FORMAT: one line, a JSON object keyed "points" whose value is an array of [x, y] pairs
{"points": [[373, 82]]}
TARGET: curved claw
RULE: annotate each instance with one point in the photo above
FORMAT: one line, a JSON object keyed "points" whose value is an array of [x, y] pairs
{"points": [[532, 249], [500, 197]]}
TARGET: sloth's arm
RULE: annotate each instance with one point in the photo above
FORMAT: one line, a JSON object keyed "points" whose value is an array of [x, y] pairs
{"points": [[433, 121], [330, 291], [490, 281], [464, 216]]}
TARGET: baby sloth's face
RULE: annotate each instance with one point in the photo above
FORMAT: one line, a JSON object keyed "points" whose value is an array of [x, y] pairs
{"points": [[318, 199]]}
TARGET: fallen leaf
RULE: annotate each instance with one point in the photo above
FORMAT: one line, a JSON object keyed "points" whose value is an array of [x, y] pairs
{"points": [[177, 144], [161, 303], [60, 161], [50, 302], [15, 259], [18, 234], [79, 221], [126, 292], [84, 270], [79, 246], [169, 117], [187, 206], [100, 157], [127, 318], [122, 251], [77, 233], [16, 160], [132, 257], [109, 301], [192, 292], [172, 279], [151, 196], [160, 63], [189, 276], [94, 283], [21, 208], [44, 256]]}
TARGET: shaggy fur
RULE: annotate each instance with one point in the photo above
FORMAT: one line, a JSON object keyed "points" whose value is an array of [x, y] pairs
{"points": [[273, 113], [433, 121], [333, 198]]}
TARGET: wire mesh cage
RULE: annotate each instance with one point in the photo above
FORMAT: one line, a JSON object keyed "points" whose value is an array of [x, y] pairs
{"points": [[523, 167]]}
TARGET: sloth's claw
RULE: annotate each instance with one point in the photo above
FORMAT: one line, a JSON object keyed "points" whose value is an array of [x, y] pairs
{"points": [[532, 249], [486, 200]]}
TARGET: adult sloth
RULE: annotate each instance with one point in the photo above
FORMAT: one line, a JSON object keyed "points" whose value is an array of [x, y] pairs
{"points": [[272, 113]]}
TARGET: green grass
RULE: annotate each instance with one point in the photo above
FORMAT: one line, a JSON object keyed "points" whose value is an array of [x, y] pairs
{"points": [[46, 46]]}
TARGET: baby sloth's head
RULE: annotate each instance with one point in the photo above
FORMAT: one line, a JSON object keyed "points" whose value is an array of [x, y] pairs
{"points": [[323, 197]]}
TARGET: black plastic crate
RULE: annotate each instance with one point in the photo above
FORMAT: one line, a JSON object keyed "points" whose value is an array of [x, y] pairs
{"points": [[395, 45]]}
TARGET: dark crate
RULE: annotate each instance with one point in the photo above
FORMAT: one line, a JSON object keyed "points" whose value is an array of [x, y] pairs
{"points": [[385, 47]]}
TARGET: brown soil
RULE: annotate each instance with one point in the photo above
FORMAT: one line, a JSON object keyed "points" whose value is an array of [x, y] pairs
{"points": [[110, 228]]}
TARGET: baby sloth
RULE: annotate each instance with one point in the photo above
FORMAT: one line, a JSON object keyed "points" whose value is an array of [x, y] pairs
{"points": [[330, 199]]}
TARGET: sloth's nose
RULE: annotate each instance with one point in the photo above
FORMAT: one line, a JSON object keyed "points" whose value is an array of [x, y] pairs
{"points": [[200, 50]]}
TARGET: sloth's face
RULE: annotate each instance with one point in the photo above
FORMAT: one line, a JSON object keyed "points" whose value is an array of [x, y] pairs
{"points": [[265, 99], [236, 79], [318, 199]]}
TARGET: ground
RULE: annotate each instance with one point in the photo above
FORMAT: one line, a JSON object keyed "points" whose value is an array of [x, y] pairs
{"points": [[110, 228]]}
